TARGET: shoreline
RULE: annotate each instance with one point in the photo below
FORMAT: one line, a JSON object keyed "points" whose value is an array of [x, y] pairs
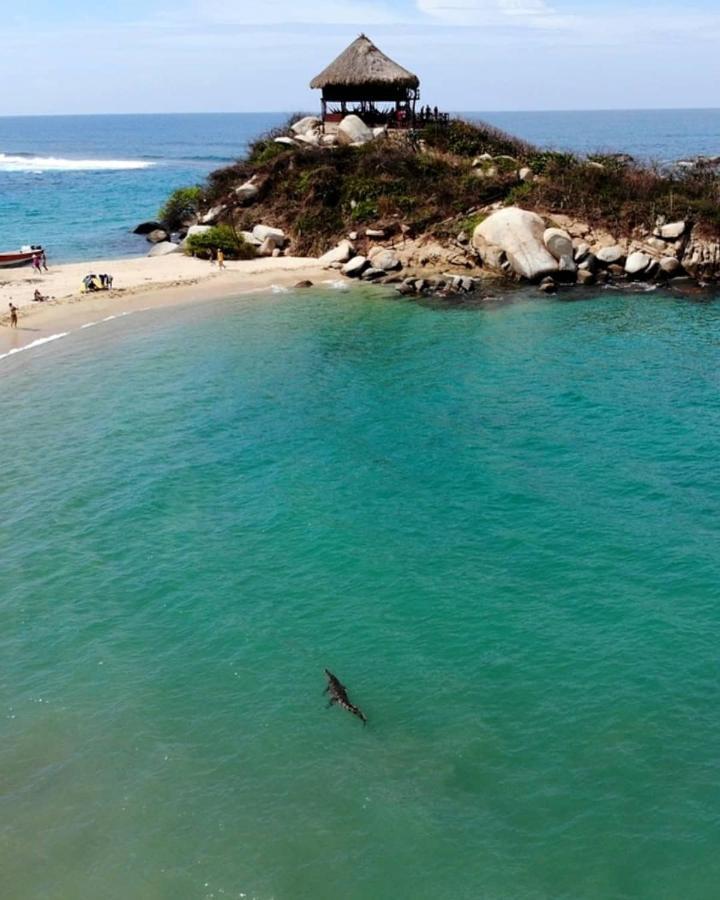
{"points": [[139, 283]]}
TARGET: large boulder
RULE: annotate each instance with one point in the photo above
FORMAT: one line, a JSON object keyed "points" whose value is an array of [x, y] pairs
{"points": [[343, 253], [352, 130], [163, 248], [672, 231], [610, 256], [519, 234], [157, 236], [355, 267], [262, 232], [197, 229], [250, 238], [559, 243], [306, 124], [637, 263], [384, 258]]}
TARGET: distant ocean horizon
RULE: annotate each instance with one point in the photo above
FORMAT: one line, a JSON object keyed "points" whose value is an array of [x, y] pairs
{"points": [[79, 184]]}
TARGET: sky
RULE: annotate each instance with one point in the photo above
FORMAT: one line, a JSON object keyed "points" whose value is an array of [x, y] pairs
{"points": [[125, 56]]}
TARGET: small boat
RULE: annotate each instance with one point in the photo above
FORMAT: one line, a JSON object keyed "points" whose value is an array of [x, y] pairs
{"points": [[15, 258]]}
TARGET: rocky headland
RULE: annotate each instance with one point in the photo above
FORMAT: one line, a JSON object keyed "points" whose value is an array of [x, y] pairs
{"points": [[439, 209]]}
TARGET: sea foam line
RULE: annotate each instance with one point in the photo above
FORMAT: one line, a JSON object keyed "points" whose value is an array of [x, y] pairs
{"points": [[36, 343], [14, 163]]}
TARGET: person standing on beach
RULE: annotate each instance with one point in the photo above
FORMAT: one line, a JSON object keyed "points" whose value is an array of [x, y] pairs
{"points": [[13, 315], [43, 260], [220, 259], [36, 262]]}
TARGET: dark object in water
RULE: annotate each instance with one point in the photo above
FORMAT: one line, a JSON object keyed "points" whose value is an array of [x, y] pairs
{"points": [[304, 284], [338, 694]]}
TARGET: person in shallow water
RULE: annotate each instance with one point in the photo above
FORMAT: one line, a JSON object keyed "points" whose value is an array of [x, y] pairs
{"points": [[13, 315]]}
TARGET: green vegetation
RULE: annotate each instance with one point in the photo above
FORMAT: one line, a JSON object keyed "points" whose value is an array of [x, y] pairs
{"points": [[467, 139], [181, 206], [431, 187], [221, 237]]}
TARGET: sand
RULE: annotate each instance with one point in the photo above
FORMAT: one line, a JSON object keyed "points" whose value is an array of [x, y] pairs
{"points": [[138, 283]]}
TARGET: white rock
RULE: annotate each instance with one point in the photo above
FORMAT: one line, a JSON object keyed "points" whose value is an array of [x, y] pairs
{"points": [[307, 123], [386, 259], [287, 141], [197, 229], [262, 232], [581, 251], [354, 268], [375, 233], [611, 255], [637, 263], [381, 131], [250, 238], [312, 138], [163, 248], [212, 215], [247, 191], [558, 242], [525, 174], [343, 253], [519, 234], [352, 130], [328, 140], [672, 231]]}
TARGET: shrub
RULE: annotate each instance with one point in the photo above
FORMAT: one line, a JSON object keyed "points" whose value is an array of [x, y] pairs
{"points": [[471, 139], [221, 237], [181, 205]]}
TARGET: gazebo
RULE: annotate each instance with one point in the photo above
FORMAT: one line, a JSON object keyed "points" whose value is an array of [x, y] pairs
{"points": [[361, 77]]}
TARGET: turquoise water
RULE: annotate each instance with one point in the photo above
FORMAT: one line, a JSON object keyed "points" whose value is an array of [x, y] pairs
{"points": [[497, 523]]}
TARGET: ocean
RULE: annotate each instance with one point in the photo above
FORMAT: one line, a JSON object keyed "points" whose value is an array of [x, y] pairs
{"points": [[80, 184], [495, 521]]}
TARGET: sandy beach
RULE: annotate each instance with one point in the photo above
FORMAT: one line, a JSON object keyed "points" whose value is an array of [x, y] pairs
{"points": [[138, 283]]}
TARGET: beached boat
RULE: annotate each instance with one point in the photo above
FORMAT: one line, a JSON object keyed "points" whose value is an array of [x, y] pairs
{"points": [[14, 258]]}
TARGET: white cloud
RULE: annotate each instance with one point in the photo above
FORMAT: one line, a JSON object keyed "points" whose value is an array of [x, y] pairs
{"points": [[296, 12], [528, 13]]}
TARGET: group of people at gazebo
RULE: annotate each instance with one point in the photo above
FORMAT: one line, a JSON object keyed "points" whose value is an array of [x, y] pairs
{"points": [[366, 82]]}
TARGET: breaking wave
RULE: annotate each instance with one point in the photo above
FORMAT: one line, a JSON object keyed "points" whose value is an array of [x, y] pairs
{"points": [[26, 163]]}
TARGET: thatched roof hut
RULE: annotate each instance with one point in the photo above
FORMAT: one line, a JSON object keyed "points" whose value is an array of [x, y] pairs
{"points": [[364, 74], [362, 64]]}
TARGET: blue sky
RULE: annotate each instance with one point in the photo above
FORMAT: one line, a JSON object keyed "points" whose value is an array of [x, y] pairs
{"points": [[77, 56]]}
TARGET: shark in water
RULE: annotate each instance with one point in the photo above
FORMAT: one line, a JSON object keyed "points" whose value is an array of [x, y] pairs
{"points": [[338, 694]]}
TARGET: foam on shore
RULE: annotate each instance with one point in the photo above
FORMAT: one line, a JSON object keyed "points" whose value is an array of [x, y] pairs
{"points": [[37, 343]]}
